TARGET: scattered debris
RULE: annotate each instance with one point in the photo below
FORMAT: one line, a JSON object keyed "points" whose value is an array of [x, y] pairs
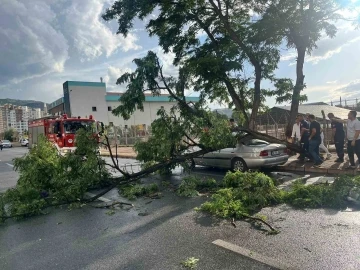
{"points": [[307, 249], [110, 205], [110, 212], [233, 222], [190, 263]]}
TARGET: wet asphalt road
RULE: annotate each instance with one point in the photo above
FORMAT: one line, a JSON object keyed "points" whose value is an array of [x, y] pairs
{"points": [[168, 230], [8, 177]]}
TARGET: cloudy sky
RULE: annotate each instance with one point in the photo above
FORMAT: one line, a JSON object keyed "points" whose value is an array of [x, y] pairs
{"points": [[44, 43]]}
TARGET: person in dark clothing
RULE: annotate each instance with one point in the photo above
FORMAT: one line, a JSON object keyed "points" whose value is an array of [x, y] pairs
{"points": [[315, 140], [339, 136], [1, 145], [304, 129], [353, 138]]}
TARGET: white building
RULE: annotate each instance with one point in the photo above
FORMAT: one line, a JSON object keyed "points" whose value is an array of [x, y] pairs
{"points": [[90, 98], [17, 118]]}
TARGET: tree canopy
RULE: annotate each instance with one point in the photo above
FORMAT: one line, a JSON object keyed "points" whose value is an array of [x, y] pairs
{"points": [[215, 63]]}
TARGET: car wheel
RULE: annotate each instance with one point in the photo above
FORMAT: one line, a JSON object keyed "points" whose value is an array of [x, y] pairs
{"points": [[238, 164], [190, 163], [27, 145]]}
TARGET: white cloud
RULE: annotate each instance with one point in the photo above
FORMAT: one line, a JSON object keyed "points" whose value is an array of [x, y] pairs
{"points": [[315, 59], [288, 56], [89, 33], [166, 60], [30, 43], [333, 91], [114, 73], [332, 82]]}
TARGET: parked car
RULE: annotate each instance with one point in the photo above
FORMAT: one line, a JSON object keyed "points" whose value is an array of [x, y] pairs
{"points": [[6, 144], [252, 154], [24, 142]]}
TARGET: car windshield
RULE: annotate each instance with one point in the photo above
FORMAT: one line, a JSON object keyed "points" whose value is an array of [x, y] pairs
{"points": [[71, 127], [254, 142], [5, 141]]}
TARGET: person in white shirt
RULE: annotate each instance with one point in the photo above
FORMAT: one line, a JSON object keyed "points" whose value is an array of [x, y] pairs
{"points": [[323, 147], [353, 132], [296, 132], [353, 138]]}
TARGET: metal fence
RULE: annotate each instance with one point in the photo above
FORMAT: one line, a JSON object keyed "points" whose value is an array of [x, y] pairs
{"points": [[122, 135]]}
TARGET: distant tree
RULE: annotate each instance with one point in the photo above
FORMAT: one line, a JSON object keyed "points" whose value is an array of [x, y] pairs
{"points": [[9, 134], [301, 23]]}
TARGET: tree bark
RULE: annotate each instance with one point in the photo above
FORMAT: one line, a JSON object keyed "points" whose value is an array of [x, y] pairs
{"points": [[257, 97], [299, 86], [252, 59]]}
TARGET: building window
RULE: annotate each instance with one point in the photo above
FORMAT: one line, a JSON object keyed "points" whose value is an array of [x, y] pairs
{"points": [[109, 109], [94, 109]]}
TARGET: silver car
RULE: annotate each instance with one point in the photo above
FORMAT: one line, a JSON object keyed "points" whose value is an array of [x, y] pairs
{"points": [[252, 154], [6, 144]]}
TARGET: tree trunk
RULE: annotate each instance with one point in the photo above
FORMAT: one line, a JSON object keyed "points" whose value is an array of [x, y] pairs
{"points": [[299, 86], [239, 104], [257, 97], [251, 134]]}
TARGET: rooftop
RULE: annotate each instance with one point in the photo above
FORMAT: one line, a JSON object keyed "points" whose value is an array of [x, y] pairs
{"points": [[316, 110]]}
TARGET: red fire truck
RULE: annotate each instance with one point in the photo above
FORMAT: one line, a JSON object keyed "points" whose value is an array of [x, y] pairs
{"points": [[61, 130]]}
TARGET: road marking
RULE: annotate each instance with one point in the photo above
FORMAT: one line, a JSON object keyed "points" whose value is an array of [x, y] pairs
{"points": [[253, 255], [9, 164], [103, 199]]}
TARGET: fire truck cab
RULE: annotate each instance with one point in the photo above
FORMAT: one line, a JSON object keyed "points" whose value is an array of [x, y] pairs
{"points": [[61, 130]]}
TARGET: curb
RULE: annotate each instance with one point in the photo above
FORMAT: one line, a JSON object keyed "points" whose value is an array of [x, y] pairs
{"points": [[327, 171], [118, 156]]}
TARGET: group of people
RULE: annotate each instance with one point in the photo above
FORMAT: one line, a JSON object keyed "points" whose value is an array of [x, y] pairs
{"points": [[308, 133]]}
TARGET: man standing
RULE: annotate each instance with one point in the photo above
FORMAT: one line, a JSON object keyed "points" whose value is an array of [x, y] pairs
{"points": [[353, 131], [1, 145], [296, 133], [338, 135], [304, 130], [314, 140]]}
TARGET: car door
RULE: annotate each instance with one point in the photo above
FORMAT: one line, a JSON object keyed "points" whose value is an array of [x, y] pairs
{"points": [[223, 157]]}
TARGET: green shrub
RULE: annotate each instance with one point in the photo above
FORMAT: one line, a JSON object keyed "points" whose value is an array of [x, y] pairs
{"points": [[133, 191], [224, 204], [255, 190], [322, 195], [46, 178], [188, 187]]}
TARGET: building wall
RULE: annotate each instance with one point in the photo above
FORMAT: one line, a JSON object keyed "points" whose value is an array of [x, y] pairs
{"points": [[138, 117], [90, 98], [83, 97], [57, 110]]}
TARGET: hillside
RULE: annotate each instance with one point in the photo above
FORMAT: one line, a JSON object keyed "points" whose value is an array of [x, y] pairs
{"points": [[30, 103]]}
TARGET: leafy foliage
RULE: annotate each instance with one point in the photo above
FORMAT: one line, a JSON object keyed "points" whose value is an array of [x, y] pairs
{"points": [[323, 195], [133, 191], [47, 178], [246, 193], [191, 185], [243, 193], [190, 263], [9, 134], [213, 66]]}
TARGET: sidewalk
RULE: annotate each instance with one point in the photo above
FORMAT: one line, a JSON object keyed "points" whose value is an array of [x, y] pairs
{"points": [[122, 152], [329, 167]]}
